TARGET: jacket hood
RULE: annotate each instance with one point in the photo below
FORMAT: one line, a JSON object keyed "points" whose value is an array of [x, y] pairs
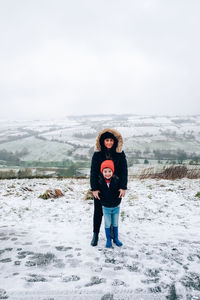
{"points": [[116, 134]]}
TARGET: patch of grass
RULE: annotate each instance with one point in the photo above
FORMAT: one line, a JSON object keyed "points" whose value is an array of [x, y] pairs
{"points": [[88, 195], [171, 173], [197, 194], [56, 193], [132, 199], [123, 215], [150, 187]]}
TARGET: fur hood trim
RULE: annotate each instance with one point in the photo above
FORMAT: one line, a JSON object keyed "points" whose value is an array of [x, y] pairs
{"points": [[116, 134]]}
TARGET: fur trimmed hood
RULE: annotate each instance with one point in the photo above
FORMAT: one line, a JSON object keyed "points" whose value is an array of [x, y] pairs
{"points": [[116, 134]]}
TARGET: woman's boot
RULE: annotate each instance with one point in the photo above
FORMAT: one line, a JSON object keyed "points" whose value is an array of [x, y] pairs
{"points": [[117, 242], [95, 238]]}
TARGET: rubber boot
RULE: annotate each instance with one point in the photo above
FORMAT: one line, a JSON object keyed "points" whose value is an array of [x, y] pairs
{"points": [[111, 233], [108, 242], [117, 242], [95, 238]]}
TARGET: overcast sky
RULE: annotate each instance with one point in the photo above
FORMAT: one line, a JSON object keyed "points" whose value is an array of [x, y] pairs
{"points": [[64, 57]]}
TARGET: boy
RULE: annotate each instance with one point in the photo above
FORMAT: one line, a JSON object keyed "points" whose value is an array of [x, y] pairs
{"points": [[109, 197]]}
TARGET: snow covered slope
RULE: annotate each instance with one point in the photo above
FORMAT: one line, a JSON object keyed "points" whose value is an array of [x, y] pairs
{"points": [[45, 250], [59, 139]]}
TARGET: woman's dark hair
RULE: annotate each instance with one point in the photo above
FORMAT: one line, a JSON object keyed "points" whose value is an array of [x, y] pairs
{"points": [[108, 135]]}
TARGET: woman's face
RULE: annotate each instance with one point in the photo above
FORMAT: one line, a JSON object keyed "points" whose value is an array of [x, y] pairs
{"points": [[108, 143]]}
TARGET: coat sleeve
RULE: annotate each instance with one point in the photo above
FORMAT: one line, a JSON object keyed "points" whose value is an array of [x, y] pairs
{"points": [[94, 172], [123, 171]]}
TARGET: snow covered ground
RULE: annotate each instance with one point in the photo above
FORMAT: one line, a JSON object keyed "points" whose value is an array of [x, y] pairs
{"points": [[45, 250]]}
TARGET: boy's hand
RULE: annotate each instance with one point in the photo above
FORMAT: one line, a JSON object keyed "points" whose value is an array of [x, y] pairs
{"points": [[122, 193], [96, 194]]}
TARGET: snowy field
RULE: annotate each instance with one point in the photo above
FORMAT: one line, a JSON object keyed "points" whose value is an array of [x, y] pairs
{"points": [[58, 139], [45, 250]]}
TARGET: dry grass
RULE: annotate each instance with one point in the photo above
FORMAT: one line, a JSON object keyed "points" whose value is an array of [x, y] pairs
{"points": [[171, 173], [56, 193], [88, 195]]}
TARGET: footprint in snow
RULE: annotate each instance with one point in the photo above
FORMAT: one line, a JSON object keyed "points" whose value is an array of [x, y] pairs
{"points": [[3, 294], [95, 280], [36, 278], [63, 248], [5, 260], [71, 278]]}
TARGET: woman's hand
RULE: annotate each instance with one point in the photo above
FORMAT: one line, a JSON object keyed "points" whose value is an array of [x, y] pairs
{"points": [[122, 193], [96, 194]]}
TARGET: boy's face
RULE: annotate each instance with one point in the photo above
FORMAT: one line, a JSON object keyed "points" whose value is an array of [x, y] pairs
{"points": [[107, 173], [108, 143]]}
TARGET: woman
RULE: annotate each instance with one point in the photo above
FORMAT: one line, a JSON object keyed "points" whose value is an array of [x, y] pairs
{"points": [[109, 145]]}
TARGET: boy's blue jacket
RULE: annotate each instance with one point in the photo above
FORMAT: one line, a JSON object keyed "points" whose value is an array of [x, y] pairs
{"points": [[109, 195]]}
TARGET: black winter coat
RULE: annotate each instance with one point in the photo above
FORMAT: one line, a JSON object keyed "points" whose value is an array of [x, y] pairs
{"points": [[109, 195], [120, 164]]}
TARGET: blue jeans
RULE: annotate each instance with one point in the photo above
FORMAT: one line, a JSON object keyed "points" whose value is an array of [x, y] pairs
{"points": [[111, 216]]}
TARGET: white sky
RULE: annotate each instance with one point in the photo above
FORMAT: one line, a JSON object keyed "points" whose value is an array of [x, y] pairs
{"points": [[64, 57]]}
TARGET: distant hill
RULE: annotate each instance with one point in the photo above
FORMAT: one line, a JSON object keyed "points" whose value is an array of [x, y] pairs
{"points": [[150, 138]]}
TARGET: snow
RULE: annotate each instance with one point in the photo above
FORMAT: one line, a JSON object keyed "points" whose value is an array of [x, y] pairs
{"points": [[128, 132], [45, 244], [67, 135], [39, 149], [148, 120], [56, 139]]}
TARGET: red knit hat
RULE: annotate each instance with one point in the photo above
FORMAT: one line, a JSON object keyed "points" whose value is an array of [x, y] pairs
{"points": [[107, 164]]}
